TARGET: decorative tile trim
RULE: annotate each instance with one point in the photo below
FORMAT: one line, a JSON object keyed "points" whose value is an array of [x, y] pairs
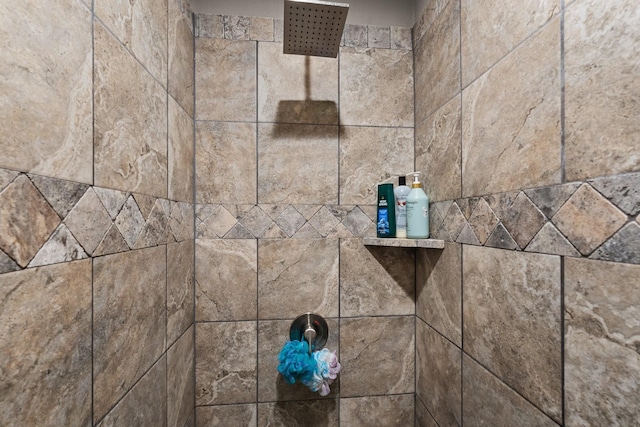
{"points": [[47, 221], [269, 30], [594, 219], [267, 221]]}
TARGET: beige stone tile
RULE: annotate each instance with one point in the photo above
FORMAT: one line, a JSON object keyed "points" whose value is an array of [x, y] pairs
{"points": [[588, 219], [389, 411], [209, 26], [550, 241], [355, 35], [60, 247], [439, 289], [310, 413], [129, 321], [272, 335], [180, 289], [225, 162], [429, 14], [130, 144], [369, 155], [181, 380], [401, 38], [601, 88], [437, 61], [46, 69], [142, 27], [423, 417], [500, 238], [523, 220], [112, 200], [297, 164], [491, 29], [438, 375], [550, 199], [261, 29], [511, 317], [297, 276], [88, 221], [111, 243], [6, 177], [380, 345], [7, 264], [180, 56], [438, 152], [224, 415], [376, 87], [156, 230], [217, 220], [225, 69], [624, 246], [602, 364], [376, 281], [488, 401], [181, 222], [180, 158], [226, 361], [296, 88], [379, 37], [454, 221], [226, 279], [483, 220], [61, 195], [236, 27], [46, 352], [145, 404], [130, 221], [26, 220], [621, 190], [511, 120]]}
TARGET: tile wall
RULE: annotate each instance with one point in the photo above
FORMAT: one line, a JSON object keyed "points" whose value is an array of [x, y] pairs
{"points": [[96, 213], [288, 153], [526, 126]]}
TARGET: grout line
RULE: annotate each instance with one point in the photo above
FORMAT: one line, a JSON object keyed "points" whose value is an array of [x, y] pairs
{"points": [[427, 409], [563, 172], [93, 180], [562, 343], [193, 203]]}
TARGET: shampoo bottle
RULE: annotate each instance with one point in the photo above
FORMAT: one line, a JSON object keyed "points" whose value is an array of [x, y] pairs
{"points": [[386, 220], [401, 192], [417, 210]]}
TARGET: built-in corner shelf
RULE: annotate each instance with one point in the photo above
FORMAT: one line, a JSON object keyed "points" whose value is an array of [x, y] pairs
{"points": [[404, 243]]}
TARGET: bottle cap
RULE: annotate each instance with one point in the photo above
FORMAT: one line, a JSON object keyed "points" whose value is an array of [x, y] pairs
{"points": [[402, 180], [416, 179]]}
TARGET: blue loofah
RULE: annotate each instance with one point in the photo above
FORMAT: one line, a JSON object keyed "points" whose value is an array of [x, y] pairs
{"points": [[295, 362]]}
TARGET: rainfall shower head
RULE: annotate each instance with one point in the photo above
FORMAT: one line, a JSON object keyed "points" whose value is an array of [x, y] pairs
{"points": [[313, 27]]}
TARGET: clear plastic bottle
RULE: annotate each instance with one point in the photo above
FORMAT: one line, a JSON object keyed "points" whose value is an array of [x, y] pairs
{"points": [[417, 210], [401, 192]]}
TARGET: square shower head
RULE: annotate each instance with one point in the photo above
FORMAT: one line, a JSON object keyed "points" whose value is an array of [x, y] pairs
{"points": [[313, 27]]}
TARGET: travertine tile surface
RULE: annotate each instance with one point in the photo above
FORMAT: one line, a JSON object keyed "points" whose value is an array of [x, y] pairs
{"points": [[47, 77], [226, 363], [601, 88], [297, 276], [511, 120], [376, 87], [297, 164], [309, 413], [145, 404], [226, 279], [439, 290], [225, 162], [181, 52], [369, 155], [511, 310], [492, 29], [88, 221], [180, 288], [376, 281], [296, 88], [388, 411], [129, 313], [438, 375], [224, 415], [180, 154], [437, 62], [180, 379], [130, 121], [602, 364], [380, 345], [141, 26], [45, 343], [489, 402], [423, 417], [225, 69], [438, 152]]}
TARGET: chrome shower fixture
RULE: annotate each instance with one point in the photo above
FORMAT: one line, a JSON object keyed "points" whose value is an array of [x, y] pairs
{"points": [[314, 27]]}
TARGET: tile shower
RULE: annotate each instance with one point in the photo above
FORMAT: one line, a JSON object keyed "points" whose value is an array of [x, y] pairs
{"points": [[142, 293]]}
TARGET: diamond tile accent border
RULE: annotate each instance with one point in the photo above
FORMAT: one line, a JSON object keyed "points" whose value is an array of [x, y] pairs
{"points": [[595, 219], [46, 221], [270, 30]]}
